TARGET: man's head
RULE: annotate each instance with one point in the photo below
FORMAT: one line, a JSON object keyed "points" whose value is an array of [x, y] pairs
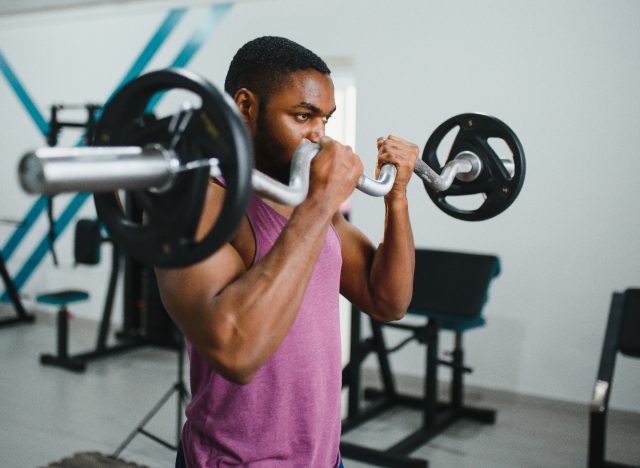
{"points": [[285, 94], [263, 65]]}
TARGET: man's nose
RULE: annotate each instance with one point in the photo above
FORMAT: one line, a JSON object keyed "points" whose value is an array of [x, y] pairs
{"points": [[316, 132]]}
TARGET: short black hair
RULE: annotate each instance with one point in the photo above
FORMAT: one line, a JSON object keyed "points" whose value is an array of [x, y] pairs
{"points": [[262, 65]]}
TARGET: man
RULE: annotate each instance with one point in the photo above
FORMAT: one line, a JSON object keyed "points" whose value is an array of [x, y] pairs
{"points": [[261, 314]]}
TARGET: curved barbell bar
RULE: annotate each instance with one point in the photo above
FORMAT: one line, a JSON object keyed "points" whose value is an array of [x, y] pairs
{"points": [[103, 169]]}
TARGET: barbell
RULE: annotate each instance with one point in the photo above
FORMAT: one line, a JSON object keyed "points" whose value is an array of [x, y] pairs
{"points": [[165, 165]]}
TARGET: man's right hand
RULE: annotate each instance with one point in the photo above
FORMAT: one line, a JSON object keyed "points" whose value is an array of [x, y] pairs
{"points": [[334, 173]]}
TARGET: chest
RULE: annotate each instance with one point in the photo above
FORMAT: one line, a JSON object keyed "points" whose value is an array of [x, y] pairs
{"points": [[245, 241]]}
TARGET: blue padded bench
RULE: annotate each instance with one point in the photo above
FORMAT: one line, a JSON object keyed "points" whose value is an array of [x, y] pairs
{"points": [[62, 299], [450, 290], [86, 251]]}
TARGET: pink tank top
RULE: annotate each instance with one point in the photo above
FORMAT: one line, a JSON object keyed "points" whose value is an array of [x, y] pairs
{"points": [[289, 414]]}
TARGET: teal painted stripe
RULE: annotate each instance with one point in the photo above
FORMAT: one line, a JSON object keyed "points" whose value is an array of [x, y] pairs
{"points": [[196, 41], [18, 234], [198, 38], [213, 19], [41, 203], [166, 27], [24, 97], [41, 250], [163, 31]]}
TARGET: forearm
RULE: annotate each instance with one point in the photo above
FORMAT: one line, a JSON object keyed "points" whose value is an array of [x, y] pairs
{"points": [[237, 315], [252, 315], [392, 269]]}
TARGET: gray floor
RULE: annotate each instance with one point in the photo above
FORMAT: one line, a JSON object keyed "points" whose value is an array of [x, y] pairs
{"points": [[47, 414]]}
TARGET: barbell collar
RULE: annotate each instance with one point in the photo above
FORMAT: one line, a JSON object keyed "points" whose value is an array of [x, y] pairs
{"points": [[97, 169], [475, 166]]}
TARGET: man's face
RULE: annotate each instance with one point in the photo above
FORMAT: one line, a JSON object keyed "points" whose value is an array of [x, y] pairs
{"points": [[299, 109]]}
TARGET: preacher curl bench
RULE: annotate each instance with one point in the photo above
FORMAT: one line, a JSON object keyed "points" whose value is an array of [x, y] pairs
{"points": [[450, 290]]}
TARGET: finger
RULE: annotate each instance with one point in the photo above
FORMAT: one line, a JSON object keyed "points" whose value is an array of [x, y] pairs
{"points": [[396, 138], [385, 146], [391, 143], [325, 140]]}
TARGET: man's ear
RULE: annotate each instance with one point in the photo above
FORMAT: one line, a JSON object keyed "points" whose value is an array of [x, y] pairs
{"points": [[247, 104]]}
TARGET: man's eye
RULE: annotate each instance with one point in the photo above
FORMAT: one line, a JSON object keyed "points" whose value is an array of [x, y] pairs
{"points": [[326, 119], [303, 117]]}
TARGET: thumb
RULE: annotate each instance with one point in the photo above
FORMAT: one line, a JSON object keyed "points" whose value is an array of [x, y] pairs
{"points": [[325, 141]]}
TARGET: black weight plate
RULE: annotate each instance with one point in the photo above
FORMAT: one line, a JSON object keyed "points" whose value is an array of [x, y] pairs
{"points": [[499, 188], [165, 236]]}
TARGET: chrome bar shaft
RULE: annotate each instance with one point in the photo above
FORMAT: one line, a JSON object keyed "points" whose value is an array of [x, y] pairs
{"points": [[96, 169]]}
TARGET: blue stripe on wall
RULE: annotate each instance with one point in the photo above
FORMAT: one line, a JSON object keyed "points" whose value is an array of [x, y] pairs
{"points": [[43, 247], [40, 205], [166, 27], [214, 17], [197, 39], [18, 234], [211, 22], [23, 96]]}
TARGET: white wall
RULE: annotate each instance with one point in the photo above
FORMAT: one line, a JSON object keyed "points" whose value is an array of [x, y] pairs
{"points": [[563, 75]]}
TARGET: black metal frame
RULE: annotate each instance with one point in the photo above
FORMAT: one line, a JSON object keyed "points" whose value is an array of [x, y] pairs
{"points": [[145, 322], [450, 290], [21, 314], [359, 350], [602, 389], [56, 125], [436, 415], [178, 387], [78, 362]]}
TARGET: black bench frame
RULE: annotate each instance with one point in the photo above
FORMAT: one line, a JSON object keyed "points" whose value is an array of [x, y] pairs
{"points": [[450, 289], [622, 335]]}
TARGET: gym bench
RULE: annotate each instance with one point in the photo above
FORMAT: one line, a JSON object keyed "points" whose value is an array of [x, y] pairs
{"points": [[450, 291], [87, 242]]}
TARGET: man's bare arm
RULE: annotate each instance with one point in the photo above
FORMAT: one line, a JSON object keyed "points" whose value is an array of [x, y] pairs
{"points": [[236, 318], [380, 281]]}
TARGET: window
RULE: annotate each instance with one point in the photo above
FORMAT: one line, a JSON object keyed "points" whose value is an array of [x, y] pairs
{"points": [[342, 127]]}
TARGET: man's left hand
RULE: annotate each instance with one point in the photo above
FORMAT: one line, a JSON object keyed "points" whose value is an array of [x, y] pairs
{"points": [[402, 154]]}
